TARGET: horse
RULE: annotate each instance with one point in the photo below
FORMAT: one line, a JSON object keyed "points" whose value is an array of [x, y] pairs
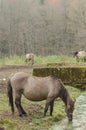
{"points": [[80, 56], [29, 57], [37, 89]]}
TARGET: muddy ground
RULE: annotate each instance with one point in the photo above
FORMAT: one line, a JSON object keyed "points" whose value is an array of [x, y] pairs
{"points": [[6, 70]]}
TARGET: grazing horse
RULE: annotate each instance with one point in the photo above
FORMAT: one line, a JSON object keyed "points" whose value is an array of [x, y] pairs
{"points": [[38, 89], [80, 55], [29, 57]]}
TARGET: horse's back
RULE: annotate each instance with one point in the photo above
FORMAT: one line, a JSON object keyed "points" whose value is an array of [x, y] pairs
{"points": [[29, 55], [19, 75], [82, 53], [18, 80]]}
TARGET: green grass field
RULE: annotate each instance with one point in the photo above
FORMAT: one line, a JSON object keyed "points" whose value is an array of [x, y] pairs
{"points": [[34, 120], [38, 59]]}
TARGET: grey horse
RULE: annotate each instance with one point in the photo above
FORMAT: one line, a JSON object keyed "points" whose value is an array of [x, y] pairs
{"points": [[38, 89]]}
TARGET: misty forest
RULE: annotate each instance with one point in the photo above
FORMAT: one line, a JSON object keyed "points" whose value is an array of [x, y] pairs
{"points": [[42, 27]]}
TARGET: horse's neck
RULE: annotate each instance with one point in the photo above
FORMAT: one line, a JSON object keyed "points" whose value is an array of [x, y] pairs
{"points": [[64, 95]]}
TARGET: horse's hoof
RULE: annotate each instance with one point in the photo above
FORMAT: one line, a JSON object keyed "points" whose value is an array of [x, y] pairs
{"points": [[20, 115], [23, 115]]}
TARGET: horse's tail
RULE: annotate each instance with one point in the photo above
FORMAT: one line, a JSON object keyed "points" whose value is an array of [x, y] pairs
{"points": [[10, 95]]}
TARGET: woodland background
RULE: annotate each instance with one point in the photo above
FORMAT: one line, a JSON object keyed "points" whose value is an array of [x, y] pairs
{"points": [[44, 27]]}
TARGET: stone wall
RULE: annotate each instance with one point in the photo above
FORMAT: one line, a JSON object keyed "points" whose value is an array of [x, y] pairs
{"points": [[75, 76]]}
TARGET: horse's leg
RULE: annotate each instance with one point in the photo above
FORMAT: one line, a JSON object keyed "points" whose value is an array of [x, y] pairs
{"points": [[32, 60], [84, 59], [46, 109], [77, 58], [48, 102], [18, 105], [51, 107], [26, 60]]}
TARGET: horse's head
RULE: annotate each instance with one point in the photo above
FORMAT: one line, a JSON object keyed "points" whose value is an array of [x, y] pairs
{"points": [[70, 109], [75, 54]]}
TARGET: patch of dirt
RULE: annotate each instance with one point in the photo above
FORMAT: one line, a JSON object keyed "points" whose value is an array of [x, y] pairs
{"points": [[1, 128], [6, 70]]}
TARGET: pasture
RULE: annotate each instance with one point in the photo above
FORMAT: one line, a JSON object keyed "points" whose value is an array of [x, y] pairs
{"points": [[34, 120], [37, 59]]}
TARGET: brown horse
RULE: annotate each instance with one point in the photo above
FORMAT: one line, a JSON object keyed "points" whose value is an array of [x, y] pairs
{"points": [[29, 57], [38, 89]]}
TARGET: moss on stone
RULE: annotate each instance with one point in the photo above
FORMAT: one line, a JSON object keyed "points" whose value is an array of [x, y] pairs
{"points": [[70, 75]]}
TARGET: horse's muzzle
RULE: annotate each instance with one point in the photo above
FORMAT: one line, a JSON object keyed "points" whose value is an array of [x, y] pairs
{"points": [[70, 117]]}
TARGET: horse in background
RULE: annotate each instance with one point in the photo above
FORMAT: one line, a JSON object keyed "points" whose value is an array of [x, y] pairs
{"points": [[80, 56], [38, 89], [29, 57]]}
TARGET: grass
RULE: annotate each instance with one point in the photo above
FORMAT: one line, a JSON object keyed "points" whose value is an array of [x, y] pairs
{"points": [[12, 60], [38, 59], [34, 121]]}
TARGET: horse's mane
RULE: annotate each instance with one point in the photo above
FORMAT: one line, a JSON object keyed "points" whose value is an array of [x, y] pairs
{"points": [[63, 92], [54, 77]]}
